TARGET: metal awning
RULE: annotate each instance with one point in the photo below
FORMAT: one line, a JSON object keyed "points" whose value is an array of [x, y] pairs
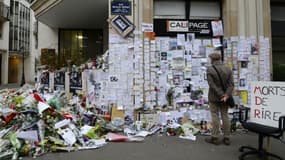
{"points": [[72, 14]]}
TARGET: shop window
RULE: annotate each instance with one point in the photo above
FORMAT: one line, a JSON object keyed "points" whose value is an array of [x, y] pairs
{"points": [[169, 9], [209, 10], [278, 40], [78, 46], [278, 13], [1, 30]]}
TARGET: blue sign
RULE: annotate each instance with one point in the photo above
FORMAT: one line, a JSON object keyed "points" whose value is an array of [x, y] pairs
{"points": [[121, 8]]}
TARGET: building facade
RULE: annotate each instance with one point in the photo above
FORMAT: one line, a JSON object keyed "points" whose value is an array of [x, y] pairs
{"points": [[4, 38], [86, 34], [75, 39], [17, 54]]}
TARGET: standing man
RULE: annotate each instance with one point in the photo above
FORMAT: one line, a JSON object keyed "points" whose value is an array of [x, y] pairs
{"points": [[217, 97]]}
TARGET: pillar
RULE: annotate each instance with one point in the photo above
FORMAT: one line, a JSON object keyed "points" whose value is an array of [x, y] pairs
{"points": [[247, 18], [4, 71]]}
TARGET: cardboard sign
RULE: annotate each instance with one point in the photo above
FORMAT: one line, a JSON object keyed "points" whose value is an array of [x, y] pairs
{"points": [[115, 113], [267, 102]]}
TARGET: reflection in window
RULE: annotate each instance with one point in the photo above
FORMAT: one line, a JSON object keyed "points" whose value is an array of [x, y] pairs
{"points": [[19, 27], [78, 46]]}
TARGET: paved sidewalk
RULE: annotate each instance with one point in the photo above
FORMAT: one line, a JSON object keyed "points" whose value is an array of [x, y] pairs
{"points": [[168, 148], [9, 86]]}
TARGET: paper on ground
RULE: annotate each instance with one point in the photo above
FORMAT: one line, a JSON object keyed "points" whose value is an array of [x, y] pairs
{"points": [[116, 137], [142, 134], [42, 107], [189, 137], [28, 135], [85, 129], [61, 123], [68, 136]]}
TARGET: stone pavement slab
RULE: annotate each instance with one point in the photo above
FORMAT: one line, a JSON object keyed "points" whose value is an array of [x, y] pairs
{"points": [[158, 147]]}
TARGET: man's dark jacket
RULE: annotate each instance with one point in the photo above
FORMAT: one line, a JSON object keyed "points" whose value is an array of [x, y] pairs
{"points": [[216, 90]]}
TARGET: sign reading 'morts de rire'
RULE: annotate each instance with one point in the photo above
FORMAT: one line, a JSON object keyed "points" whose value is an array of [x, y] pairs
{"points": [[267, 102]]}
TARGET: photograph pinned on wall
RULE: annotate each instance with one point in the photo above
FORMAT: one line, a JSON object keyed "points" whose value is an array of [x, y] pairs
{"points": [[205, 76], [253, 45], [202, 51], [180, 47], [59, 80], [225, 43], [178, 63], [243, 56], [195, 70], [216, 42], [217, 28], [75, 80], [188, 55], [254, 49], [178, 53], [186, 86], [177, 80], [235, 67], [169, 77], [44, 79], [164, 44], [207, 42], [188, 45], [172, 45], [243, 84], [163, 56], [244, 64], [180, 39], [196, 44], [169, 56], [187, 74], [190, 37], [209, 50]]}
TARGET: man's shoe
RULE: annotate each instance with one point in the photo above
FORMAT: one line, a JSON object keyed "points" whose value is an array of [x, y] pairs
{"points": [[227, 141], [212, 140]]}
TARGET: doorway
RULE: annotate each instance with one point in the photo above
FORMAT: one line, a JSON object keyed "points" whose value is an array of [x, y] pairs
{"points": [[14, 64]]}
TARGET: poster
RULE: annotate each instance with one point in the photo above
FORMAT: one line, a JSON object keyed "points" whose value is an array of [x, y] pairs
{"points": [[163, 56], [75, 80], [59, 80], [44, 79], [190, 37], [217, 28], [267, 102]]}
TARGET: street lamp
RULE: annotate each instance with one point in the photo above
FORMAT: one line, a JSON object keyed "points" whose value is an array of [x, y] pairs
{"points": [[23, 63]]}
